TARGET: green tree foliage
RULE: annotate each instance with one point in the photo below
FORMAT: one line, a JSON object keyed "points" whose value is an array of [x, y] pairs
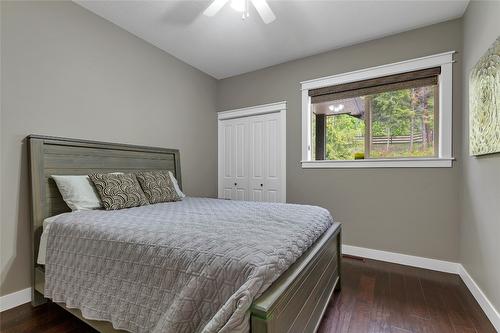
{"points": [[343, 137], [406, 112], [391, 113]]}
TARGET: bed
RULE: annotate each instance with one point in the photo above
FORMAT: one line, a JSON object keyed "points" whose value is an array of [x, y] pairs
{"points": [[294, 302]]}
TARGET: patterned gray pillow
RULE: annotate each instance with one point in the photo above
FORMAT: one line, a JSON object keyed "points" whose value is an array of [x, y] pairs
{"points": [[118, 191], [158, 186]]}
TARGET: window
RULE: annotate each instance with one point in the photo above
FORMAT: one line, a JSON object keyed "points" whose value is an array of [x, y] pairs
{"points": [[397, 115]]}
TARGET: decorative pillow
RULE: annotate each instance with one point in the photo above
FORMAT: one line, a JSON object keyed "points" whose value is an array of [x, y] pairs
{"points": [[118, 191], [176, 185], [78, 192], [158, 186]]}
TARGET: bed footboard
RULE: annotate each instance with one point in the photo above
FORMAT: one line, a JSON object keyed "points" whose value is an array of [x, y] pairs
{"points": [[297, 300]]}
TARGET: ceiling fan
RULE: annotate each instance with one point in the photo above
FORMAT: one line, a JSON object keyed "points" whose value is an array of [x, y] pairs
{"points": [[242, 6]]}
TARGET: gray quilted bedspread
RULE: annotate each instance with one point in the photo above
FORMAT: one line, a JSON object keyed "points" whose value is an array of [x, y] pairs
{"points": [[189, 266]]}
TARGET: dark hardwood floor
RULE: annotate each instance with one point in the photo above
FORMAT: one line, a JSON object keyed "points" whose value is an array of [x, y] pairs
{"points": [[376, 297], [379, 297]]}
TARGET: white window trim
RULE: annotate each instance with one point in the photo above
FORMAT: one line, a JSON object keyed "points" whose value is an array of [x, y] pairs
{"points": [[444, 159]]}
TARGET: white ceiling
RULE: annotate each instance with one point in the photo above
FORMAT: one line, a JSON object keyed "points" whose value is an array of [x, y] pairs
{"points": [[225, 45]]}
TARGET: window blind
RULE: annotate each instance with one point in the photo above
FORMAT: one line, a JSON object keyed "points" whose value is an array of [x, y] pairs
{"points": [[420, 78]]}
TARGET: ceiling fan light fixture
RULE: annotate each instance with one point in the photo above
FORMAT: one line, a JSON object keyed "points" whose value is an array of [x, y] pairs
{"points": [[238, 5], [214, 7], [242, 6]]}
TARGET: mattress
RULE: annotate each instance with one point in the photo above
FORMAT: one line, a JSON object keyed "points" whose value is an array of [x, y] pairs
{"points": [[42, 248], [190, 266]]}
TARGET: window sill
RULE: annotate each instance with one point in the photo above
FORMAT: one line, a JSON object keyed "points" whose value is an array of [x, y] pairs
{"points": [[441, 162]]}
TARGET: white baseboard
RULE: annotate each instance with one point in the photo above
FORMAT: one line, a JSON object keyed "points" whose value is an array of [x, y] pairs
{"points": [[17, 298], [481, 298], [403, 259], [435, 265]]}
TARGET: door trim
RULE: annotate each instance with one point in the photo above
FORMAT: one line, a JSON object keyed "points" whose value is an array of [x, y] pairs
{"points": [[280, 107], [252, 110]]}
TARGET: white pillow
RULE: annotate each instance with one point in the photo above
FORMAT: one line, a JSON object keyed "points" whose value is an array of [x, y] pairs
{"points": [[78, 192], [176, 185]]}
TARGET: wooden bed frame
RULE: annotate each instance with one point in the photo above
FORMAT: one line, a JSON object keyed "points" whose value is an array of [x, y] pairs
{"points": [[293, 303]]}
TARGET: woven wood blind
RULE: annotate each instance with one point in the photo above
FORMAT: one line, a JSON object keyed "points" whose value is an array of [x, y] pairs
{"points": [[420, 78]]}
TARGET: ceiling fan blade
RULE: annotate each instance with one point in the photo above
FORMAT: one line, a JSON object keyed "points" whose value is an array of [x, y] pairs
{"points": [[214, 7], [264, 11]]}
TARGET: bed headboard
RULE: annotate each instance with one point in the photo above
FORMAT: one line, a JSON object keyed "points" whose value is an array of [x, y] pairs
{"points": [[62, 156]]}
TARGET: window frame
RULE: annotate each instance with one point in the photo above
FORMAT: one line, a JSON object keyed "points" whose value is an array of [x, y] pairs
{"points": [[444, 157]]}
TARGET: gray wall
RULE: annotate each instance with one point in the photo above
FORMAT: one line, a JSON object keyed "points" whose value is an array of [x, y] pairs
{"points": [[480, 194], [411, 211], [68, 72]]}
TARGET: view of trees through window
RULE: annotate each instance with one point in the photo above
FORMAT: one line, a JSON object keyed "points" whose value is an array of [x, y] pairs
{"points": [[393, 124]]}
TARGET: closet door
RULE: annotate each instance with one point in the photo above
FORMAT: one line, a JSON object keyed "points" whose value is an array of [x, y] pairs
{"points": [[266, 145], [233, 159], [257, 158]]}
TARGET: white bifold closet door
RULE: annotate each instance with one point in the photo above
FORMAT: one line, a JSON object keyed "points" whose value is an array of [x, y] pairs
{"points": [[265, 158], [251, 158], [235, 149]]}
